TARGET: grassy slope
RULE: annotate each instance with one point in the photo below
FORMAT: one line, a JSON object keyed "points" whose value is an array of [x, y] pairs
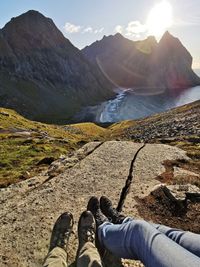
{"points": [[21, 152], [23, 143]]}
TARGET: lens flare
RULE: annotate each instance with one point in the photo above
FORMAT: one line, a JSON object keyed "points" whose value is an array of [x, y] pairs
{"points": [[160, 19]]}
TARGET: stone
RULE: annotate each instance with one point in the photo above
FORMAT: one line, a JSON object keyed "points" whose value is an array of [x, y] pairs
{"points": [[99, 169]]}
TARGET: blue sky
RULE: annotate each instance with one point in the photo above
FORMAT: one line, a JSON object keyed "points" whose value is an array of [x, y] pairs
{"points": [[84, 21]]}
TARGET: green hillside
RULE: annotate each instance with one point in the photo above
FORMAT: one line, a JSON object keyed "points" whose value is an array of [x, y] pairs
{"points": [[24, 143], [28, 147]]}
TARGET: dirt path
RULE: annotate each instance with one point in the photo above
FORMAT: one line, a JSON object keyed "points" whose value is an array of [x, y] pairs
{"points": [[29, 210]]}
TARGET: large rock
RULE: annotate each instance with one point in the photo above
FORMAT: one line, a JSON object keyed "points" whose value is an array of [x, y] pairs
{"points": [[29, 209]]}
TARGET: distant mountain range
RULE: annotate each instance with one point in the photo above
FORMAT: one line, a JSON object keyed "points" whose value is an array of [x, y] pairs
{"points": [[45, 78], [42, 75], [144, 64]]}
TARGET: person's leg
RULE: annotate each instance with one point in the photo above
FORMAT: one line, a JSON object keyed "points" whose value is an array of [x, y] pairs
{"points": [[185, 239], [89, 256], [87, 253], [140, 240], [56, 258]]}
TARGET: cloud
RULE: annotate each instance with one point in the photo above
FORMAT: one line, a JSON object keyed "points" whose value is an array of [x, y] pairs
{"points": [[99, 30], [135, 29], [71, 28], [88, 29], [119, 29]]}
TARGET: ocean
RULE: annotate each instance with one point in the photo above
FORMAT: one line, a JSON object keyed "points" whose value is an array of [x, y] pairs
{"points": [[129, 105]]}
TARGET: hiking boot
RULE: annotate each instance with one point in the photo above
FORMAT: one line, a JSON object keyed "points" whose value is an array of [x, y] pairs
{"points": [[86, 229], [94, 207], [61, 231], [107, 208]]}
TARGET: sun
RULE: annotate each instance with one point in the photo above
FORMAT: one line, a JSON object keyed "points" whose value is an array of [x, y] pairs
{"points": [[160, 18]]}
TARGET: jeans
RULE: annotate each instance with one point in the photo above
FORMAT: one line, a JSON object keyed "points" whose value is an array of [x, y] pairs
{"points": [[154, 245]]}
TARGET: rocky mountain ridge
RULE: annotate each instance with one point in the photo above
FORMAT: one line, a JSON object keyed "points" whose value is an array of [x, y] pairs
{"points": [[41, 69], [163, 66]]}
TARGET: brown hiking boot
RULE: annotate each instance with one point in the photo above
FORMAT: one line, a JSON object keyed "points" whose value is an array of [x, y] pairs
{"points": [[110, 212], [94, 207], [61, 231], [86, 229]]}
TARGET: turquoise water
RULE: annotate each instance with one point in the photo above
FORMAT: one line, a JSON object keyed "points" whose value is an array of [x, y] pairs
{"points": [[129, 105]]}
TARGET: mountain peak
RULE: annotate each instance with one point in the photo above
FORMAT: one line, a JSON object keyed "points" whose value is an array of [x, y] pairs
{"points": [[118, 35], [28, 17], [167, 36], [32, 30], [33, 13], [167, 33]]}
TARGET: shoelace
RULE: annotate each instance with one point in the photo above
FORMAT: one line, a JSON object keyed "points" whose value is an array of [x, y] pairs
{"points": [[88, 234], [64, 238]]}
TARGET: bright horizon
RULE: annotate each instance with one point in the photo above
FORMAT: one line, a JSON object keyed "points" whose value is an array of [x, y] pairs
{"points": [[83, 23]]}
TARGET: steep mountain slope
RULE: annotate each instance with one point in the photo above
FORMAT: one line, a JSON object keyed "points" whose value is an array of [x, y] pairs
{"points": [[42, 75], [173, 64], [163, 65]]}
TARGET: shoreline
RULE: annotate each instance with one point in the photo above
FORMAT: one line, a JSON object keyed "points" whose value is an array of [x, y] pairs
{"points": [[130, 106]]}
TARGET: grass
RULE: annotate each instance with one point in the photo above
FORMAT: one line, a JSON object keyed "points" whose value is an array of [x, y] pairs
{"points": [[90, 129], [24, 143], [20, 152], [19, 158]]}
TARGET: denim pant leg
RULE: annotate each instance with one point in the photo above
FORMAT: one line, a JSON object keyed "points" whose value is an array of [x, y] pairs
{"points": [[138, 239], [187, 240]]}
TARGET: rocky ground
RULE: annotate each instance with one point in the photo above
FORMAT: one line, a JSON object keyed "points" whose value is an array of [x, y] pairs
{"points": [[67, 177], [176, 124], [30, 208]]}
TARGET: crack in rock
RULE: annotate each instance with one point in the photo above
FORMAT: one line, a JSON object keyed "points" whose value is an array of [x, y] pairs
{"points": [[126, 188]]}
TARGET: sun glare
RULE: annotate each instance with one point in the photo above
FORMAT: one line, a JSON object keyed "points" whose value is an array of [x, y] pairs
{"points": [[160, 18]]}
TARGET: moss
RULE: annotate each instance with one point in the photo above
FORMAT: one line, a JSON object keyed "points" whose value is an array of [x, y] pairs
{"points": [[20, 152], [90, 129]]}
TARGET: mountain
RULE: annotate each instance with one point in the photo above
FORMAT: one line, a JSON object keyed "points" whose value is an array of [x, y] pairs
{"points": [[163, 65], [42, 75]]}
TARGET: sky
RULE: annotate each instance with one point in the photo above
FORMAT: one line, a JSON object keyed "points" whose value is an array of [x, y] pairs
{"points": [[85, 21]]}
